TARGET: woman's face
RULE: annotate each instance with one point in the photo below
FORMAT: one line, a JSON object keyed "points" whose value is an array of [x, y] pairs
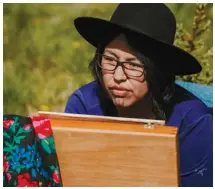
{"points": [[125, 90]]}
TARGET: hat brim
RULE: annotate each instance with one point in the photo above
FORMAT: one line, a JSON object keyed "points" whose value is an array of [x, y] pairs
{"points": [[173, 59]]}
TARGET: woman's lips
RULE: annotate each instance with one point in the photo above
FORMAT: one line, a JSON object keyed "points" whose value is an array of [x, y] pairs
{"points": [[118, 91]]}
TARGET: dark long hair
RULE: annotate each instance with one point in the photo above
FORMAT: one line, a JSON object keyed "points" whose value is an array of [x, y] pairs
{"points": [[161, 83]]}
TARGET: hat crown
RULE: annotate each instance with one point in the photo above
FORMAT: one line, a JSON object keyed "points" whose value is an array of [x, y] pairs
{"points": [[153, 19]]}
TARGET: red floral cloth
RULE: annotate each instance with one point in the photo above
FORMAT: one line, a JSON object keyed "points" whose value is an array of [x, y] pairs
{"points": [[29, 157]]}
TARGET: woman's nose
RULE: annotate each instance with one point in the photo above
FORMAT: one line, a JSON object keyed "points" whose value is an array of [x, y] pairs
{"points": [[119, 74]]}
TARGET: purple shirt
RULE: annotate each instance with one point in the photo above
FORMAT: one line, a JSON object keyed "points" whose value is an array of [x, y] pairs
{"points": [[190, 115]]}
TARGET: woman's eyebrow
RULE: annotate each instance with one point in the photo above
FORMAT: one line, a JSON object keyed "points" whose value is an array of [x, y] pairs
{"points": [[112, 53], [127, 59], [132, 59]]}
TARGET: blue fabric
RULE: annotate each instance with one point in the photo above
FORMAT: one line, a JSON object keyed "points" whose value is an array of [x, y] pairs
{"points": [[203, 92], [190, 115]]}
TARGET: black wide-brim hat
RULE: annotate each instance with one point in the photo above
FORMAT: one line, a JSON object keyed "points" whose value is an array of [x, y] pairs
{"points": [[151, 26]]}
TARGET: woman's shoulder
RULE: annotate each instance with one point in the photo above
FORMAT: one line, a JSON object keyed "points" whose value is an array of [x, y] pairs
{"points": [[193, 105], [202, 91], [87, 91], [84, 99], [188, 109], [89, 87], [185, 101]]}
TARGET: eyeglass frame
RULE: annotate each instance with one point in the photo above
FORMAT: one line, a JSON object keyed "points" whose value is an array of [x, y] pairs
{"points": [[119, 63]]}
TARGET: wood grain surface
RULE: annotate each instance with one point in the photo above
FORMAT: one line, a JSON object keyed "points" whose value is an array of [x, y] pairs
{"points": [[97, 152]]}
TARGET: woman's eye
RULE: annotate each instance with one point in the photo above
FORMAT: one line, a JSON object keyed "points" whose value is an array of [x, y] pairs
{"points": [[134, 65]]}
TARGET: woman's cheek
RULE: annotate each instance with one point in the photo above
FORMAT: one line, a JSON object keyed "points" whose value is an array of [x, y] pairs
{"points": [[139, 89]]}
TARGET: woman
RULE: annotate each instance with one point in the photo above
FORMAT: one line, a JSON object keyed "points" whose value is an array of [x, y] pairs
{"points": [[134, 68]]}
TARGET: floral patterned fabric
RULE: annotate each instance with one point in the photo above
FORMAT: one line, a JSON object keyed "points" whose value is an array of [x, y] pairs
{"points": [[29, 155]]}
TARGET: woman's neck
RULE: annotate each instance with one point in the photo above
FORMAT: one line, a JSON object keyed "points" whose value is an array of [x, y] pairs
{"points": [[141, 110]]}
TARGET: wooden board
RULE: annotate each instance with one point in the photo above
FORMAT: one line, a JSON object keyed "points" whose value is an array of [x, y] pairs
{"points": [[107, 151]]}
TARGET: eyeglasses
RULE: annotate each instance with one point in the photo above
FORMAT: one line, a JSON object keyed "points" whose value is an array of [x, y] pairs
{"points": [[110, 64]]}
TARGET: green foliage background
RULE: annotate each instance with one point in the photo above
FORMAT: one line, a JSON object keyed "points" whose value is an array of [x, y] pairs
{"points": [[45, 59]]}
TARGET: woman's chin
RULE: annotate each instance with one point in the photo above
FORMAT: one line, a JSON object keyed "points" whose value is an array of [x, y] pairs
{"points": [[122, 102]]}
